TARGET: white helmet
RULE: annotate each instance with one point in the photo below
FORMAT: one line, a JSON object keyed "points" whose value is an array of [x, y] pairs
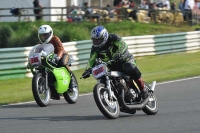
{"points": [[99, 36], [45, 33]]}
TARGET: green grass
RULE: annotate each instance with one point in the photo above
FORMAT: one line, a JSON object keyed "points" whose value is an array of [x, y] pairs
{"points": [[171, 66], [15, 90], [159, 67], [26, 33]]}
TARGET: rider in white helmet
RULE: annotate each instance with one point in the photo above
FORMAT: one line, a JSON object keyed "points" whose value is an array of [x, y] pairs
{"points": [[45, 36]]}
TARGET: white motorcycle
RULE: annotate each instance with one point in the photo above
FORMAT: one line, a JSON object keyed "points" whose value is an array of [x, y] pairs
{"points": [[116, 92]]}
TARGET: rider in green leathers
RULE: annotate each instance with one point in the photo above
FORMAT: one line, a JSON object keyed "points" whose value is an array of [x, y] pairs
{"points": [[111, 46]]}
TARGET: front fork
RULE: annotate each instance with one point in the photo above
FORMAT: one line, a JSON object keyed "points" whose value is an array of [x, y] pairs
{"points": [[111, 95], [46, 80]]}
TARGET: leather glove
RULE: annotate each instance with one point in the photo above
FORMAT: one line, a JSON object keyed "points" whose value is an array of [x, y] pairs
{"points": [[56, 59], [28, 66], [117, 57], [87, 73]]}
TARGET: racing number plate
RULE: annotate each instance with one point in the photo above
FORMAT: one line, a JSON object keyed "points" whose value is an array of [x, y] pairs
{"points": [[34, 60], [98, 71]]}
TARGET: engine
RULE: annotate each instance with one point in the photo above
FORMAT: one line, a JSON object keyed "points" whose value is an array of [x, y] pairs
{"points": [[130, 94], [121, 84]]}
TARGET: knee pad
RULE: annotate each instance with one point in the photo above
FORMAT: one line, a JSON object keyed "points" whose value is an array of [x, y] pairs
{"points": [[132, 70]]}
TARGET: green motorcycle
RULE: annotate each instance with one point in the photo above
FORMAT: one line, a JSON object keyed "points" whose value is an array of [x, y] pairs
{"points": [[50, 82]]}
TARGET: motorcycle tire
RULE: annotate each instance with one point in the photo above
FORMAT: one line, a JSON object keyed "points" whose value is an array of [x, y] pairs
{"points": [[152, 107], [72, 94], [40, 93], [108, 108]]}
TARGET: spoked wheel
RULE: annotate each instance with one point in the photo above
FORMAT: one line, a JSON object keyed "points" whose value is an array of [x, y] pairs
{"points": [[40, 93], [152, 107], [108, 107], [71, 95]]}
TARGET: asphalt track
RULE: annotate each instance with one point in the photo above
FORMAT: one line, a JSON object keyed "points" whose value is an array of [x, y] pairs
{"points": [[179, 112]]}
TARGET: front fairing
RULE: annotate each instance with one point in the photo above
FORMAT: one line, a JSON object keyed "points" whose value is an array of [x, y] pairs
{"points": [[39, 53], [39, 48]]}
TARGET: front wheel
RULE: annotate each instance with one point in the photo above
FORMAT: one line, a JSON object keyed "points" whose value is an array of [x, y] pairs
{"points": [[40, 93], [108, 107], [71, 95], [152, 106]]}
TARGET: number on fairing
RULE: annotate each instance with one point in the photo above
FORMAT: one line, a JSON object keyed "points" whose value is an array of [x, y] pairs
{"points": [[99, 71], [34, 60]]}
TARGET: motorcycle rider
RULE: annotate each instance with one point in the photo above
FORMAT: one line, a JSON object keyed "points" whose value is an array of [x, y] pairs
{"points": [[111, 46], [45, 36]]}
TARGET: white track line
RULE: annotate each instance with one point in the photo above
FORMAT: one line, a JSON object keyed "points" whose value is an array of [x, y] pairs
{"points": [[177, 80], [91, 93]]}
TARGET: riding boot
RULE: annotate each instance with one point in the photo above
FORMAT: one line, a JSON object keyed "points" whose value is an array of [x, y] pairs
{"points": [[72, 81], [140, 84]]}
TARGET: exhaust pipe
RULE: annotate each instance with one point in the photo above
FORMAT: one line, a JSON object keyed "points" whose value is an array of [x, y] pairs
{"points": [[136, 106], [153, 84], [133, 107]]}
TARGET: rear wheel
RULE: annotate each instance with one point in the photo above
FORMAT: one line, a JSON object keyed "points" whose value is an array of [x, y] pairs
{"points": [[71, 95], [108, 107], [152, 106], [40, 93]]}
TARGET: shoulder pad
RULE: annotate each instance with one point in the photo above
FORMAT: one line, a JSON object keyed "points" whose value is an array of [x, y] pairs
{"points": [[114, 37]]}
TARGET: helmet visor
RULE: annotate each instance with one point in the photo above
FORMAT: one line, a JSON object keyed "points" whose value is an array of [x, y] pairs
{"points": [[44, 37]]}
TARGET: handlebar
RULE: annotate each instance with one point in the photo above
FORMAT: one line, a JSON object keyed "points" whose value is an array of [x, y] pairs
{"points": [[52, 61], [99, 61], [110, 61]]}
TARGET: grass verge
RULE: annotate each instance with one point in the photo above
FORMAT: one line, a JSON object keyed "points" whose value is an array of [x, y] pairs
{"points": [[13, 32], [159, 67]]}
